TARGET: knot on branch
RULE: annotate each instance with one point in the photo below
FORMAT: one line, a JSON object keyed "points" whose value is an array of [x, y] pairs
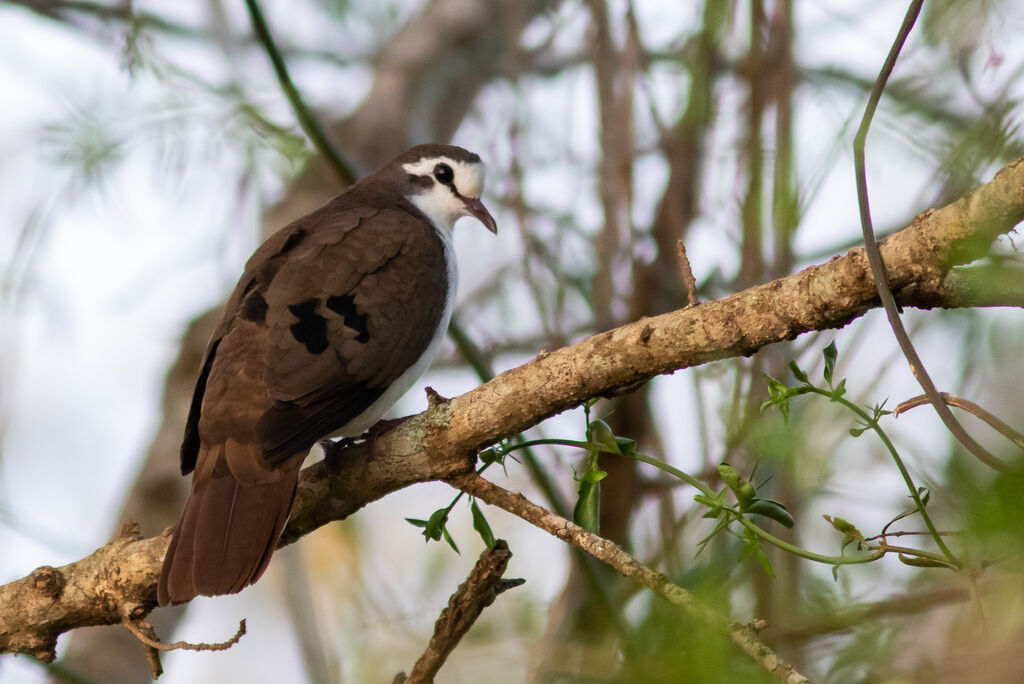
{"points": [[48, 582]]}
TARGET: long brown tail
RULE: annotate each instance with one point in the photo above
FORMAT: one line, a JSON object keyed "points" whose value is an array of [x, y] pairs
{"points": [[227, 532]]}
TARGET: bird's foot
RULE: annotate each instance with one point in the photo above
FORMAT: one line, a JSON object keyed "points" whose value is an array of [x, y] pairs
{"points": [[379, 429], [333, 449]]}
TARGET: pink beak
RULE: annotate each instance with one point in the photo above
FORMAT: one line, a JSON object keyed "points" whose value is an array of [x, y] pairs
{"points": [[477, 209]]}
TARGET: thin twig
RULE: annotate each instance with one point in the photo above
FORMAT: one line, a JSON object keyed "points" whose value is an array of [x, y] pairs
{"points": [[969, 406], [612, 554], [305, 117], [684, 266], [878, 268], [135, 629], [483, 585]]}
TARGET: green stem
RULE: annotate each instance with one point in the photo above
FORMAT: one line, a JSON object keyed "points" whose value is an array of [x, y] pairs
{"points": [[803, 553], [302, 113], [873, 424], [707, 491], [906, 551]]}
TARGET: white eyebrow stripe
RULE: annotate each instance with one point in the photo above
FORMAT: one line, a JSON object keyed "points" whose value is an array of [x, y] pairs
{"points": [[469, 176], [425, 167]]}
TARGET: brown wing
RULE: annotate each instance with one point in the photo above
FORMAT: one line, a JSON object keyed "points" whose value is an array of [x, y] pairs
{"points": [[344, 322], [240, 339]]}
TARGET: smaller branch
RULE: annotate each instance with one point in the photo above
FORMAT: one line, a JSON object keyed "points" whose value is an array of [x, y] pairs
{"points": [[141, 630], [478, 591], [612, 554], [969, 406], [302, 113], [691, 284], [144, 632]]}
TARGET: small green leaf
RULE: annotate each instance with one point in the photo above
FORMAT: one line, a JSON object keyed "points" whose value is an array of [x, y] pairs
{"points": [[752, 547], [918, 562], [779, 396], [743, 490], [416, 522], [844, 526], [627, 446], [600, 432], [714, 504], [490, 455], [766, 564], [880, 410], [722, 523], [747, 551], [784, 409], [835, 573], [451, 542], [858, 431], [830, 353], [435, 527], [701, 499], [839, 390], [481, 525], [850, 533], [730, 475], [771, 509], [776, 389], [797, 372], [587, 512]]}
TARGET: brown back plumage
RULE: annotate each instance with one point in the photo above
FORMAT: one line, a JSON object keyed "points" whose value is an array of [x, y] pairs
{"points": [[328, 313]]}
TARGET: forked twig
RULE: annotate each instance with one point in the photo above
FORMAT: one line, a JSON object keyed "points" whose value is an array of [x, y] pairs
{"points": [[995, 423]]}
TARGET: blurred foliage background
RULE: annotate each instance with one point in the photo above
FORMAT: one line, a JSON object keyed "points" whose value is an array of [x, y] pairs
{"points": [[145, 146]]}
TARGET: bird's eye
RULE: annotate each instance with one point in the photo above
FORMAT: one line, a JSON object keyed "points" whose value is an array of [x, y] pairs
{"points": [[444, 174]]}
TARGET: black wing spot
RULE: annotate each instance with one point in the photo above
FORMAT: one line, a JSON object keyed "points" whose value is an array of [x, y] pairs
{"points": [[345, 306], [254, 307], [294, 239], [311, 329]]}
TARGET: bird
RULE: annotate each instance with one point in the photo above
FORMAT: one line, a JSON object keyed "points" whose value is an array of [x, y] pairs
{"points": [[334, 318]]}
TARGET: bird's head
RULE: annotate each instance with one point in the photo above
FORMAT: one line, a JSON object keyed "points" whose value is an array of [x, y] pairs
{"points": [[445, 183]]}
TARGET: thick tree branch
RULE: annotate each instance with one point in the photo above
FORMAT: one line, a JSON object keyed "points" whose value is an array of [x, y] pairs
{"points": [[118, 581]]}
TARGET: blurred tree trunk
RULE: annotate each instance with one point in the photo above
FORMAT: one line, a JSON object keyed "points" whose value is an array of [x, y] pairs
{"points": [[426, 78]]}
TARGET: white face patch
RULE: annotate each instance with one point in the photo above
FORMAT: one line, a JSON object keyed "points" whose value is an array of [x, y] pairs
{"points": [[438, 202]]}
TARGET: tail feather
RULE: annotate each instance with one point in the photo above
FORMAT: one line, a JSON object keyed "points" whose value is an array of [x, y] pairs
{"points": [[227, 533]]}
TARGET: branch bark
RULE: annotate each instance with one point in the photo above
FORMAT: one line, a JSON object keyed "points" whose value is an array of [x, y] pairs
{"points": [[483, 585], [118, 581]]}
